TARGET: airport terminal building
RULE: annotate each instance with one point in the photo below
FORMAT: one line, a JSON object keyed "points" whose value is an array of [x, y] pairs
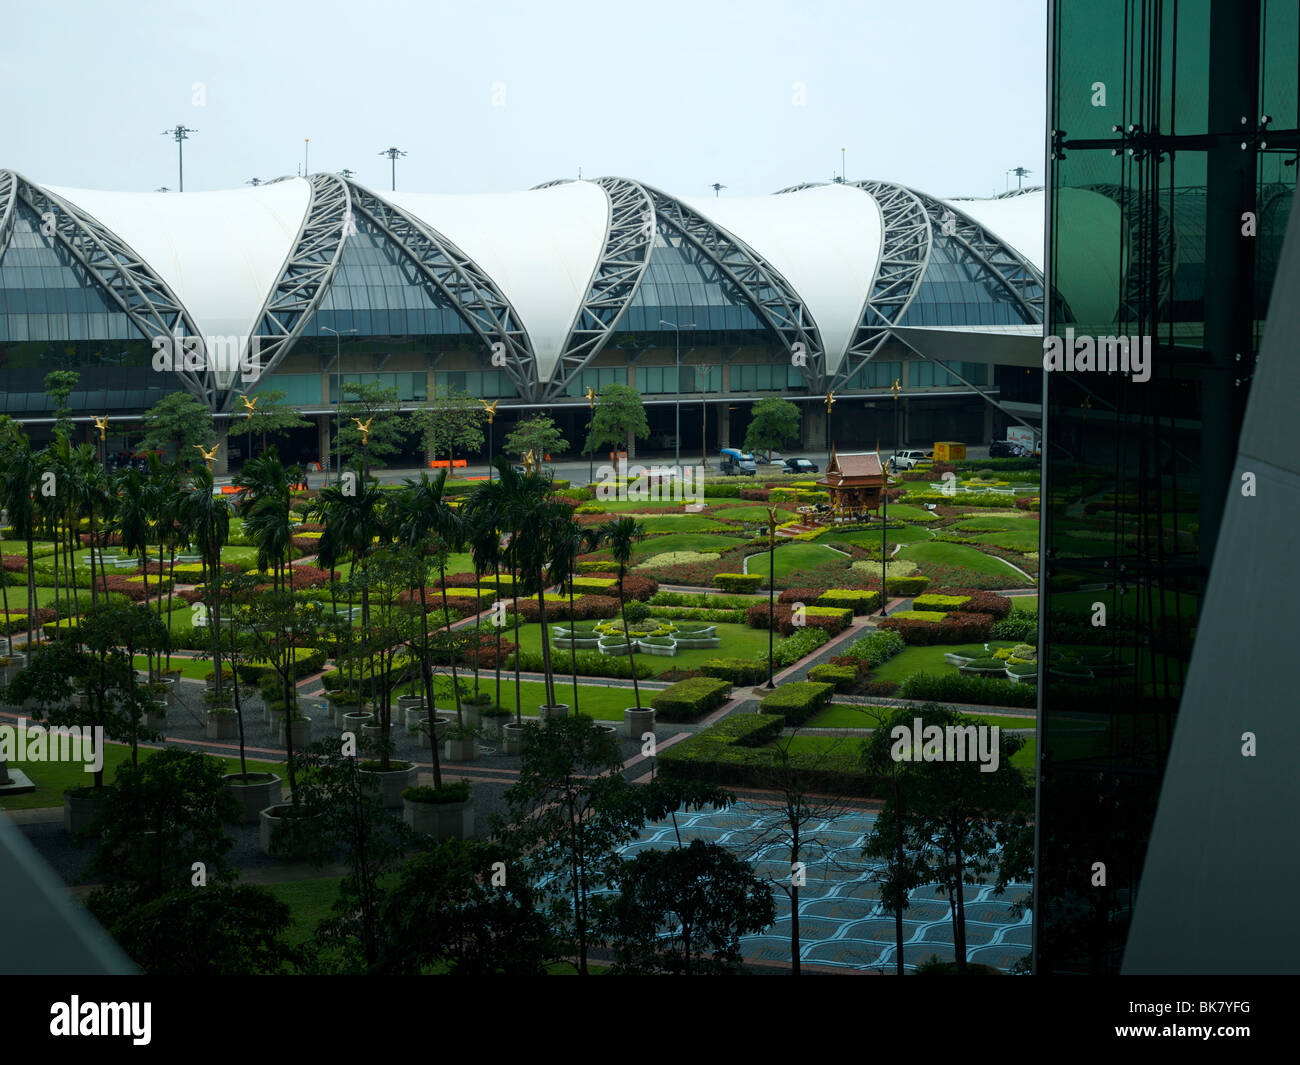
{"points": [[705, 306]]}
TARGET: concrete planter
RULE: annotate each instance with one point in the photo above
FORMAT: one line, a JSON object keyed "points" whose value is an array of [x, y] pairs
{"points": [[637, 721], [389, 786], [441, 723], [11, 669], [339, 712], [957, 660], [493, 723], [469, 715], [465, 750], [254, 792], [552, 713], [301, 733], [156, 718], [354, 721], [223, 727], [512, 739], [406, 702], [440, 820], [414, 715], [269, 820], [80, 810], [275, 720]]}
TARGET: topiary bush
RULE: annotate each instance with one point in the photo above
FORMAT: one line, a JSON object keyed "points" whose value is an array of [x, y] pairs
{"points": [[797, 700], [954, 628], [738, 582], [690, 700], [841, 678]]}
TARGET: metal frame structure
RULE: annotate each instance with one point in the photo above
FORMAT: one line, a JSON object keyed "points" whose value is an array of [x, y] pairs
{"points": [[774, 299], [629, 238], [8, 182], [303, 279], [141, 294], [905, 243], [473, 294], [1133, 205]]}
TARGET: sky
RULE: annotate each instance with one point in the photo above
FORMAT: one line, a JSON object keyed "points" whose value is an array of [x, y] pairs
{"points": [[499, 95]]}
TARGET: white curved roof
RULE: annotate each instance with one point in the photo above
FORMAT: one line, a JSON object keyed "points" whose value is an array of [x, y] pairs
{"points": [[1016, 220], [824, 240], [220, 252], [541, 247]]}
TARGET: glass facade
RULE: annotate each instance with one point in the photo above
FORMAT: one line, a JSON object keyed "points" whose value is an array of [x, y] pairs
{"points": [[1146, 239], [681, 286], [410, 386], [958, 289]]}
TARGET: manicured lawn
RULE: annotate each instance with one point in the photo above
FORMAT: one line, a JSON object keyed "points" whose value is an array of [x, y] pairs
{"points": [[679, 523], [602, 703], [797, 556], [19, 547], [871, 537], [189, 667], [713, 544], [964, 556], [53, 778], [1027, 603], [738, 641], [908, 512], [751, 512], [633, 506], [930, 659]]}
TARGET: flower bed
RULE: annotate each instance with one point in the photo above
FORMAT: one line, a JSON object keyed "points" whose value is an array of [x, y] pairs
{"points": [[953, 628]]}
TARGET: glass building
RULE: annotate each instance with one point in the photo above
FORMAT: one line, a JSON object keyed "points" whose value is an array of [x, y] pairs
{"points": [[1172, 170]]}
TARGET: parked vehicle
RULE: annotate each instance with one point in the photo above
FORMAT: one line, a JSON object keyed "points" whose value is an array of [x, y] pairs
{"points": [[733, 462], [800, 466], [949, 451], [912, 457], [1006, 449]]}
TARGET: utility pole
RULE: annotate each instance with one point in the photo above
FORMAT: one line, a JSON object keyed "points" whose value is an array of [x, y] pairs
{"points": [[393, 154], [181, 134], [716, 187]]}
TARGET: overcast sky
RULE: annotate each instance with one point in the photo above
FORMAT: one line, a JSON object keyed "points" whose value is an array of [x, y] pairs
{"points": [[491, 95]]}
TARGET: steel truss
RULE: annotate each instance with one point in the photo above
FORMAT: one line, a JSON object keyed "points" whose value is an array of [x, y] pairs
{"points": [[302, 283], [773, 298], [1021, 279], [905, 243], [132, 284], [8, 182], [463, 282], [1136, 209], [629, 238]]}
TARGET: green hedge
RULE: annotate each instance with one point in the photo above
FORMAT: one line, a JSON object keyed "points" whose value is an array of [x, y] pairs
{"points": [[732, 753], [859, 600], [738, 671], [962, 688], [695, 613], [721, 491], [710, 600], [738, 582], [797, 700], [936, 601], [842, 678], [907, 586], [877, 647], [690, 700], [590, 664]]}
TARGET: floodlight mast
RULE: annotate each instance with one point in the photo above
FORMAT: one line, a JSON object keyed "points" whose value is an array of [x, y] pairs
{"points": [[181, 134], [393, 154]]}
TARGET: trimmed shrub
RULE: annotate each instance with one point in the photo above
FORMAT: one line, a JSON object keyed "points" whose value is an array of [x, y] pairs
{"points": [[962, 688], [1018, 625], [585, 608], [711, 600], [716, 490], [841, 678], [690, 700], [941, 603], [955, 628], [877, 647], [590, 664], [833, 620], [858, 600], [738, 582], [797, 700], [741, 672]]}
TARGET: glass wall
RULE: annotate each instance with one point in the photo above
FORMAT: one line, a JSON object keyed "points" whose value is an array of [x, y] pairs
{"points": [[1145, 241]]}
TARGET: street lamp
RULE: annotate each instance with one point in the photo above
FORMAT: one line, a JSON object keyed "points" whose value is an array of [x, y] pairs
{"points": [[591, 421], [677, 387], [490, 409], [338, 416], [884, 502], [830, 402], [771, 592], [704, 415]]}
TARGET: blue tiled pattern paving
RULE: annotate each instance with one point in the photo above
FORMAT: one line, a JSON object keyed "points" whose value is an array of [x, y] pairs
{"points": [[840, 921]]}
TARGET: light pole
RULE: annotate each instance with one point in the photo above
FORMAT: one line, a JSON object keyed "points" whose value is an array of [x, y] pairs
{"points": [[490, 409], [338, 416], [181, 134], [771, 592], [830, 446], [591, 421], [677, 387], [884, 502], [704, 415], [393, 154]]}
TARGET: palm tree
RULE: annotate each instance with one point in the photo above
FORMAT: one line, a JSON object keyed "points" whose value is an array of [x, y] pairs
{"points": [[133, 518], [620, 535], [20, 473], [483, 537], [265, 493], [95, 501], [206, 517]]}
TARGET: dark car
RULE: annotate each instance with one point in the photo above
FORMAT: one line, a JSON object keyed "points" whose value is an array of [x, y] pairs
{"points": [[800, 466], [1006, 449]]}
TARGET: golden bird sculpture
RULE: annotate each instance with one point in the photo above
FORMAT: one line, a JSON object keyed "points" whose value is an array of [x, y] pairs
{"points": [[490, 409], [102, 425], [591, 395], [249, 405], [530, 462], [208, 456], [364, 427], [830, 401]]}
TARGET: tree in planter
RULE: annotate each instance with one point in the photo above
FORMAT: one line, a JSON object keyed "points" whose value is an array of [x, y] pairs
{"points": [[379, 409], [537, 434], [482, 529], [58, 387], [621, 535], [180, 421], [541, 553], [705, 897], [451, 421], [445, 912], [619, 411], [159, 818], [207, 518], [271, 416], [339, 816], [976, 822], [572, 809], [572, 541], [772, 422], [266, 494]]}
